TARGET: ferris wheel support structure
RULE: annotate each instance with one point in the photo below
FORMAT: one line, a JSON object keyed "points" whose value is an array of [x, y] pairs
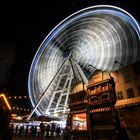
{"points": [[70, 77]]}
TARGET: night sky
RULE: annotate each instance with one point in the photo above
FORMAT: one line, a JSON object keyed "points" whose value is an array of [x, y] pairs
{"points": [[24, 25]]}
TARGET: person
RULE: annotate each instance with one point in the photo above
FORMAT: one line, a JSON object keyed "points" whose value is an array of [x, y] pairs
{"points": [[58, 131], [121, 129], [34, 132], [42, 128], [47, 130], [124, 133], [66, 133], [26, 131], [52, 129], [16, 130], [21, 130]]}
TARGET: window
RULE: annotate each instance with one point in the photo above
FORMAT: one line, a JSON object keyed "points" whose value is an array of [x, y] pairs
{"points": [[79, 121], [105, 97], [136, 67], [119, 95], [126, 76], [130, 93], [139, 91]]}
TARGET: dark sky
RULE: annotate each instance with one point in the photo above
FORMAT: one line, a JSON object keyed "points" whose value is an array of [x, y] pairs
{"points": [[24, 25]]}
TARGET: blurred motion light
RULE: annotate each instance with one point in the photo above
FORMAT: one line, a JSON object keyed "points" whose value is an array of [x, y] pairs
{"points": [[98, 36]]}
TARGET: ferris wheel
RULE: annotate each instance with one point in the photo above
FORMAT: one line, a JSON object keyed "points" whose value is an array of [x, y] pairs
{"points": [[92, 38]]}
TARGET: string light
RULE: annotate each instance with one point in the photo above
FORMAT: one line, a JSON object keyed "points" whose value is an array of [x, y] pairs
{"points": [[18, 108], [18, 97]]}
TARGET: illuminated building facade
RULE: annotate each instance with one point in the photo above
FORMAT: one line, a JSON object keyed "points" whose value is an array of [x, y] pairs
{"points": [[91, 107], [127, 84], [127, 81]]}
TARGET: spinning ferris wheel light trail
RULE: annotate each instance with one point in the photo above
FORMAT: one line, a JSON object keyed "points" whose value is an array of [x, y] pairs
{"points": [[98, 36], [43, 94]]}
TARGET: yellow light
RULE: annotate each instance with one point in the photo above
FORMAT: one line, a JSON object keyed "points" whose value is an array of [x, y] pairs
{"points": [[14, 115], [6, 101]]}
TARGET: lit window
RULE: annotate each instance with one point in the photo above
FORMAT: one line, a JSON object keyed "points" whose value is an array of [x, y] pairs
{"points": [[130, 93], [119, 95]]}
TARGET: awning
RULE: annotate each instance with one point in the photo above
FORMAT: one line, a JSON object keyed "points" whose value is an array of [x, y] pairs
{"points": [[127, 102]]}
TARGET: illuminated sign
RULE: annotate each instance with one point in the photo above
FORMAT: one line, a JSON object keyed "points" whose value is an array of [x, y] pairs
{"points": [[3, 97]]}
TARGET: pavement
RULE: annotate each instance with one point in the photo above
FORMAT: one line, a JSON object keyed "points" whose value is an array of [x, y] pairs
{"points": [[36, 138]]}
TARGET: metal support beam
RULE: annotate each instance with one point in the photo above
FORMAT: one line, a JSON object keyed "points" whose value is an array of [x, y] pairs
{"points": [[52, 97], [67, 96], [43, 94], [82, 75], [74, 71], [56, 88], [59, 99]]}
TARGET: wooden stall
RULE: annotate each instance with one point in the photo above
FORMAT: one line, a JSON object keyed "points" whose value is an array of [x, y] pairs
{"points": [[92, 113], [78, 115], [101, 100]]}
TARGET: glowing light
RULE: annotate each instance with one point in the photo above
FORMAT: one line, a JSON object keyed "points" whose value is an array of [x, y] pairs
{"points": [[6, 101], [19, 118]]}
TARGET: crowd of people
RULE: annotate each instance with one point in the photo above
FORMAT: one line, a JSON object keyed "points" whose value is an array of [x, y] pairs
{"points": [[43, 130]]}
